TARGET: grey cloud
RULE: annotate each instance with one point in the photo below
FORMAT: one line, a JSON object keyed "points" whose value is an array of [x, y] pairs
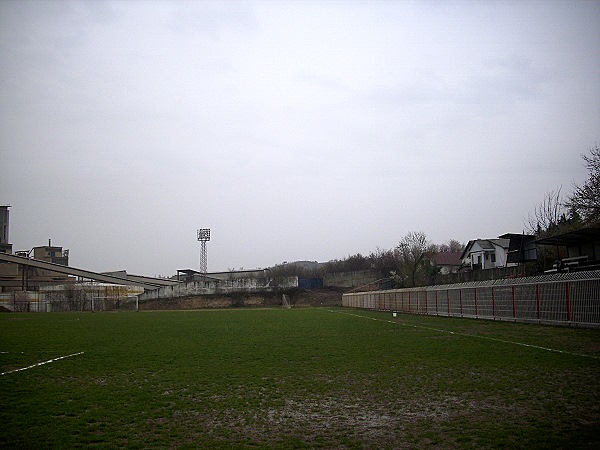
{"points": [[294, 130]]}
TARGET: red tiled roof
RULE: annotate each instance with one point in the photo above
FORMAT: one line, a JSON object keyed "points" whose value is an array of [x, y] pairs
{"points": [[447, 259]]}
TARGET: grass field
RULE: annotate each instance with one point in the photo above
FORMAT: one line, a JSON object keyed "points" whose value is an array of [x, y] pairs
{"points": [[298, 378]]}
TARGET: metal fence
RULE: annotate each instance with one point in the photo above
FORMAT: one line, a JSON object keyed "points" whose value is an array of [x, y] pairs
{"points": [[566, 299]]}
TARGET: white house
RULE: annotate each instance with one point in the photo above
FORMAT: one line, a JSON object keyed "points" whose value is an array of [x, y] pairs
{"points": [[486, 254]]}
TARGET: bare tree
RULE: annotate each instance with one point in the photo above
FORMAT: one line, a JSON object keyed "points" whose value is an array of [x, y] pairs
{"points": [[414, 251], [552, 216], [585, 199], [21, 301], [547, 215], [384, 261]]}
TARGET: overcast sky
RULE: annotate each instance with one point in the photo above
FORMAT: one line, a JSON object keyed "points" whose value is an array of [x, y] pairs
{"points": [[293, 130]]}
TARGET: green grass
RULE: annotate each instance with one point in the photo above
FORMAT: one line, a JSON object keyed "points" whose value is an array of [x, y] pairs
{"points": [[299, 378]]}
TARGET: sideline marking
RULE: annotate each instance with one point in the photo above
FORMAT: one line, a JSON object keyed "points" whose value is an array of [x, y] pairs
{"points": [[469, 335], [41, 363]]}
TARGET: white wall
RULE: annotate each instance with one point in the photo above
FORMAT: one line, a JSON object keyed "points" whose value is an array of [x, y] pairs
{"points": [[217, 287]]}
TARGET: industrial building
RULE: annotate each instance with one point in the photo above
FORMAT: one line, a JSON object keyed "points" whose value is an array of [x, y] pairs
{"points": [[23, 277]]}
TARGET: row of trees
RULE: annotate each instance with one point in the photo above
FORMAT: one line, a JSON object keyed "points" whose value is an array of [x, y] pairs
{"points": [[410, 262], [559, 213], [585, 199], [407, 264]]}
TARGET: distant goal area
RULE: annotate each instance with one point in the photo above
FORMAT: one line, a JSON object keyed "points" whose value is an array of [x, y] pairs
{"points": [[561, 299]]}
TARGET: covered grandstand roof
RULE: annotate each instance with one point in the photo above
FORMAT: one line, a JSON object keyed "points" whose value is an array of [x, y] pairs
{"points": [[589, 234]]}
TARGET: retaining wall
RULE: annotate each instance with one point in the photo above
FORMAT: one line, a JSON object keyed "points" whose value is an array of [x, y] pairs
{"points": [[350, 279], [195, 288]]}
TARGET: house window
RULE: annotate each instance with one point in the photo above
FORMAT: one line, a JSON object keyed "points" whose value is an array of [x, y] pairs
{"points": [[493, 257], [487, 256]]}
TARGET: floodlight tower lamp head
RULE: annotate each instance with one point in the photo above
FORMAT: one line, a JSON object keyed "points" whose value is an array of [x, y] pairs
{"points": [[204, 234]]}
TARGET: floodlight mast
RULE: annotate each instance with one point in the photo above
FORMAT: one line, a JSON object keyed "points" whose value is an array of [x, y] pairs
{"points": [[203, 238]]}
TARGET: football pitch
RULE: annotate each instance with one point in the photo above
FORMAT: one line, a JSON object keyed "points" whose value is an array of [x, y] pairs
{"points": [[294, 378]]}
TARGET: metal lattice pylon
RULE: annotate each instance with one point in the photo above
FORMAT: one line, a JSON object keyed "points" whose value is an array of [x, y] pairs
{"points": [[203, 237], [203, 257]]}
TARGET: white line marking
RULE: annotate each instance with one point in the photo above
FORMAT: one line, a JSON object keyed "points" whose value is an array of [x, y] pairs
{"points": [[41, 363], [470, 335]]}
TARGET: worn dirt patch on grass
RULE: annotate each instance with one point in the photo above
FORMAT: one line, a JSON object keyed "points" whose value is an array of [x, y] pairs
{"points": [[338, 420]]}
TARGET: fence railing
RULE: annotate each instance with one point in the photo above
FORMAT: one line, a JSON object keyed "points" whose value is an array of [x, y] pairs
{"points": [[568, 299]]}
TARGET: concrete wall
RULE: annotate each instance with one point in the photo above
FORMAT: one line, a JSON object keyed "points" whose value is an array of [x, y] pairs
{"points": [[217, 287], [239, 274], [72, 297], [9, 270], [350, 279], [100, 290]]}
